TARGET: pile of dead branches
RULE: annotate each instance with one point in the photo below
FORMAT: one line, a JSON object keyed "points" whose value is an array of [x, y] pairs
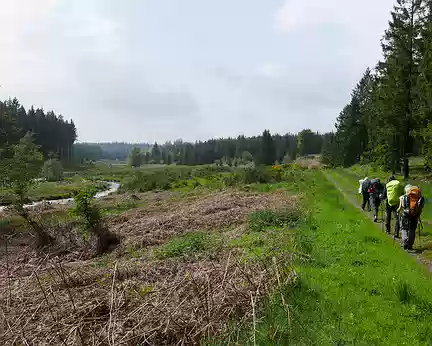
{"points": [[170, 303], [217, 211]]}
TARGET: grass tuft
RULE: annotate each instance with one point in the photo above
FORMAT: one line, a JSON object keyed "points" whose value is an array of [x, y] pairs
{"points": [[260, 221], [187, 245], [404, 292]]}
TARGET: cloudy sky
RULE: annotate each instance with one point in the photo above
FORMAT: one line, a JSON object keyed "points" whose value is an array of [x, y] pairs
{"points": [[156, 70]]}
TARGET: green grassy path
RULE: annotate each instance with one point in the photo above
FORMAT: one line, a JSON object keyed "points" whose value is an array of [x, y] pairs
{"points": [[347, 182], [359, 288]]}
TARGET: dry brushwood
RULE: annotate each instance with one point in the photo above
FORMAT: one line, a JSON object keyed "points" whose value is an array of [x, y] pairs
{"points": [[218, 211], [169, 303]]}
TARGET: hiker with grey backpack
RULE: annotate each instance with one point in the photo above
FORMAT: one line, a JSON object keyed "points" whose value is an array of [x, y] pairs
{"points": [[410, 209]]}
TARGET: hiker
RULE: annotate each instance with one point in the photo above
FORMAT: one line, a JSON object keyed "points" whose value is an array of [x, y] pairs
{"points": [[392, 193], [363, 190], [410, 209], [376, 190]]}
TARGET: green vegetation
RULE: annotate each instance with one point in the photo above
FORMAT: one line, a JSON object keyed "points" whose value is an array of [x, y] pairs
{"points": [[91, 217], [190, 244], [51, 133], [67, 188], [388, 118], [264, 149], [262, 220], [52, 170], [18, 173], [354, 286]]}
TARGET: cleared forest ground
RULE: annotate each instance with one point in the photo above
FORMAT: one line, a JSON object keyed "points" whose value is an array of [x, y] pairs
{"points": [[289, 261], [186, 267]]}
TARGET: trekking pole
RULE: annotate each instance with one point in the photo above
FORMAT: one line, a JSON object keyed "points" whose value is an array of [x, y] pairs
{"points": [[420, 229], [382, 217]]}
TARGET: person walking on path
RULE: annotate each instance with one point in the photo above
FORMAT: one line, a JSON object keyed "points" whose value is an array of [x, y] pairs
{"points": [[392, 193], [363, 190], [410, 209], [376, 190]]}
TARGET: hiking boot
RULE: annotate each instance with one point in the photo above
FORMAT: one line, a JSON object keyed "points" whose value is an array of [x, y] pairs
{"points": [[397, 236], [375, 219]]}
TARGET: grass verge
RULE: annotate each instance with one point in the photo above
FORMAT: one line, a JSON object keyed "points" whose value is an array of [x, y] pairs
{"points": [[358, 287]]}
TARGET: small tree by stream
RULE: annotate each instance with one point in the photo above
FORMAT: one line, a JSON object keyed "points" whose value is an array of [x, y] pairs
{"points": [[91, 217], [18, 173]]}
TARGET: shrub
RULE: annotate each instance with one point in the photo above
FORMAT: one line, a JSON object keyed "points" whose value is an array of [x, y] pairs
{"points": [[91, 217], [260, 220], [186, 245], [252, 175], [52, 170]]}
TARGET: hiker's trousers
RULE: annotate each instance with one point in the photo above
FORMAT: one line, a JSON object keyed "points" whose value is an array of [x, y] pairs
{"points": [[375, 202], [409, 226], [389, 211], [366, 202]]}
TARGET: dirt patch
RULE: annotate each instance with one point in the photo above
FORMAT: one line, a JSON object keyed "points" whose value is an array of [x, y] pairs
{"points": [[164, 303], [218, 211]]}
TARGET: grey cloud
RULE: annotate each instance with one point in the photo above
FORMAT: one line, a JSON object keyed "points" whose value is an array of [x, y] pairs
{"points": [[160, 70]]}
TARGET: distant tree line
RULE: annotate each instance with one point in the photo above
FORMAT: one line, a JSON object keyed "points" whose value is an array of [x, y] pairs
{"points": [[50, 131], [265, 149], [388, 117]]}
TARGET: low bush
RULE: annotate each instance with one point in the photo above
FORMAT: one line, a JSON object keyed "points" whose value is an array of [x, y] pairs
{"points": [[52, 170], [261, 220], [185, 245]]}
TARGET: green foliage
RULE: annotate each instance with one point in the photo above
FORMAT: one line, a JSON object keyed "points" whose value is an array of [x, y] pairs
{"points": [[267, 155], [427, 148], [52, 133], [187, 245], [247, 157], [135, 157], [248, 175], [18, 173], [262, 220], [386, 120], [347, 289], [52, 170], [404, 292], [83, 152], [309, 143], [168, 178], [86, 210]]}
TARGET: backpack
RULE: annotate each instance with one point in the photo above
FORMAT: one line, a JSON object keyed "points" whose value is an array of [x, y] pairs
{"points": [[365, 186], [414, 201], [394, 191], [375, 187]]}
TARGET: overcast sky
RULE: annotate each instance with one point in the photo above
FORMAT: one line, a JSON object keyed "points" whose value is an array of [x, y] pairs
{"points": [[156, 70]]}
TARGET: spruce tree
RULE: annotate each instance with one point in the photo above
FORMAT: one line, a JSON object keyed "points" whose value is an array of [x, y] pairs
{"points": [[267, 152], [399, 73]]}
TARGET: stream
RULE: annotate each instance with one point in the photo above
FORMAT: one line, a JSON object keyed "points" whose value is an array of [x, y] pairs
{"points": [[113, 187]]}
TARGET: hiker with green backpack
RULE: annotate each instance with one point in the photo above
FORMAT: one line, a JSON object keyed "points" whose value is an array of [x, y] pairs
{"points": [[392, 192], [410, 209]]}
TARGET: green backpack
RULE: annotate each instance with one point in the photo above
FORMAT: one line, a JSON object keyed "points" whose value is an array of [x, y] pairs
{"points": [[394, 191]]}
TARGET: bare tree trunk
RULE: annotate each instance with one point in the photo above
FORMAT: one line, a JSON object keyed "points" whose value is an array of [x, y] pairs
{"points": [[42, 238]]}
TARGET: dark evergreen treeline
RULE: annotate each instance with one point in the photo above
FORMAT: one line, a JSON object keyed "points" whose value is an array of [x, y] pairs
{"points": [[266, 149], [388, 117], [50, 131]]}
